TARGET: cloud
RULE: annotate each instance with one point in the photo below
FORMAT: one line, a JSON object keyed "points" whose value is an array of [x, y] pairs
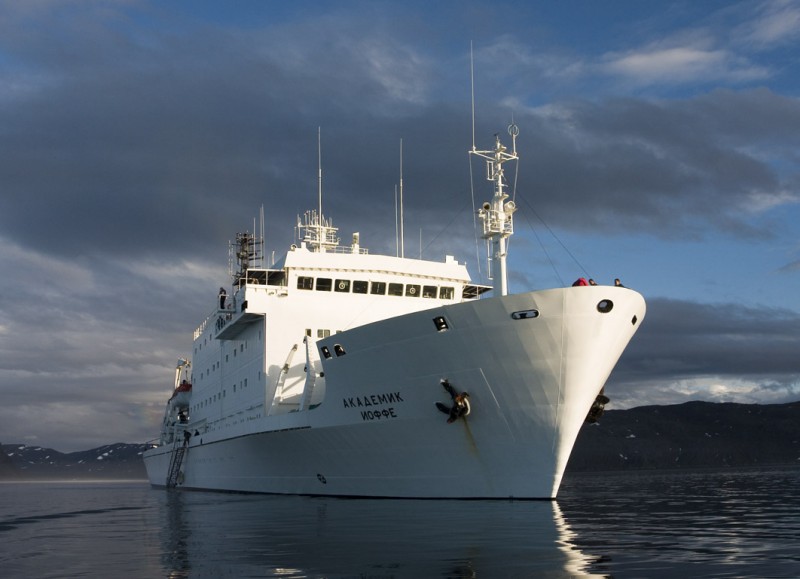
{"points": [[718, 352], [681, 64], [774, 22], [707, 388], [791, 267], [672, 168], [737, 44], [158, 139]]}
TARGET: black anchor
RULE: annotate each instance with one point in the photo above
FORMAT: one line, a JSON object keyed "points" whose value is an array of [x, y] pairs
{"points": [[460, 403]]}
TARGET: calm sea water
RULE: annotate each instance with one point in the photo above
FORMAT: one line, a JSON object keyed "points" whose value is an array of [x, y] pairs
{"points": [[709, 524]]}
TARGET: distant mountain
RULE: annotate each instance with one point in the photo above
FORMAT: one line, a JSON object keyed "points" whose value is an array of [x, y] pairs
{"points": [[7, 468], [114, 461], [690, 435]]}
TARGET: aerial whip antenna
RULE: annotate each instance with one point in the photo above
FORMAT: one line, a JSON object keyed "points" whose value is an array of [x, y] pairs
{"points": [[402, 239], [396, 226], [472, 90], [261, 218], [471, 178], [319, 167]]}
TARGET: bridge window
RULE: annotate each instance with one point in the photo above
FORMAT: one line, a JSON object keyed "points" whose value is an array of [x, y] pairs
{"points": [[429, 291], [342, 285], [360, 287], [446, 293], [324, 284], [412, 290], [305, 283], [378, 288], [276, 277], [395, 289]]}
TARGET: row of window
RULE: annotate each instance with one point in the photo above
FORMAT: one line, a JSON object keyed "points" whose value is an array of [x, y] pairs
{"points": [[219, 396], [326, 284], [215, 365]]}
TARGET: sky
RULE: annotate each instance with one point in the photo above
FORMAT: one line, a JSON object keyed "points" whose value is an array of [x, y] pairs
{"points": [[658, 143]]}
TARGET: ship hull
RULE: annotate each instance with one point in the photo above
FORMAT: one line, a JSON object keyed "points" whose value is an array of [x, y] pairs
{"points": [[532, 365]]}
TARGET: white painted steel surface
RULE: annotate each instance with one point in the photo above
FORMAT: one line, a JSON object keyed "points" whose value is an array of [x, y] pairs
{"points": [[378, 433]]}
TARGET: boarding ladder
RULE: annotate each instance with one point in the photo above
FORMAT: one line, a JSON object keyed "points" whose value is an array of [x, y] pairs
{"points": [[178, 451]]}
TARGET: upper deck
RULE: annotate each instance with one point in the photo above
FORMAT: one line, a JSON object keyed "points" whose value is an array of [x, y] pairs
{"points": [[342, 281]]}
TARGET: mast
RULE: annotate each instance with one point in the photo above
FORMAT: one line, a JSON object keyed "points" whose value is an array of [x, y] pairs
{"points": [[496, 215], [315, 231]]}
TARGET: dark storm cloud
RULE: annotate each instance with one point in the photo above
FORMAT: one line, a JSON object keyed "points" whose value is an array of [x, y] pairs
{"points": [[683, 338], [669, 168], [143, 140], [683, 341]]}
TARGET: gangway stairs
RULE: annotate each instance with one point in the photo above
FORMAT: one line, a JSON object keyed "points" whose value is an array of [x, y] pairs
{"points": [[175, 462]]}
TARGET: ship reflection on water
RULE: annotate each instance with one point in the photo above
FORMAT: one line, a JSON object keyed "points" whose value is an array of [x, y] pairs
{"points": [[630, 524], [229, 535]]}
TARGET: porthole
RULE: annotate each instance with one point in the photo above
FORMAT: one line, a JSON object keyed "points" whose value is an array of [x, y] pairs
{"points": [[634, 319], [325, 351], [525, 315], [605, 306], [339, 350]]}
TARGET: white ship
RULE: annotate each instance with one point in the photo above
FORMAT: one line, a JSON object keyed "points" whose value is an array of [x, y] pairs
{"points": [[338, 372]]}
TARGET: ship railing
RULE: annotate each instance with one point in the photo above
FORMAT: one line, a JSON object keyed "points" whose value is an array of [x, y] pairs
{"points": [[171, 431], [216, 314], [494, 224], [202, 327], [346, 249], [221, 316]]}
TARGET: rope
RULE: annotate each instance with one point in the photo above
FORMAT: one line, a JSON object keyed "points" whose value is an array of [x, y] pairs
{"points": [[564, 247]]}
